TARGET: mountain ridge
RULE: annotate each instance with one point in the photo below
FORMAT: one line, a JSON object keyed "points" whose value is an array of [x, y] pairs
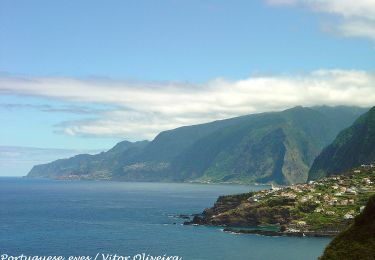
{"points": [[352, 147], [266, 147]]}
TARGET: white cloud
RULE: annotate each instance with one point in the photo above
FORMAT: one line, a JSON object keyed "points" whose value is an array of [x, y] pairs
{"points": [[358, 16], [358, 28], [51, 109], [141, 110]]}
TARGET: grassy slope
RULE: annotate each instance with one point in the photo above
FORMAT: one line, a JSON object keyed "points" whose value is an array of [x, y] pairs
{"points": [[352, 147], [358, 241], [278, 147]]}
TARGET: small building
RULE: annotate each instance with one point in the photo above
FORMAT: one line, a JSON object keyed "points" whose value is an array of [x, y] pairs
{"points": [[333, 202], [289, 195], [351, 191], [367, 181], [344, 202], [275, 188], [343, 189], [366, 166]]}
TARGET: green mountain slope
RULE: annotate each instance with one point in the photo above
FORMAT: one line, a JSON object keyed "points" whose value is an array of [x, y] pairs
{"points": [[358, 241], [93, 166], [277, 147], [352, 147], [268, 147]]}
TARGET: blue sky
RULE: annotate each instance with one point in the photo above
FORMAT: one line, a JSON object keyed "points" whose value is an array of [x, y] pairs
{"points": [[178, 40], [83, 75]]}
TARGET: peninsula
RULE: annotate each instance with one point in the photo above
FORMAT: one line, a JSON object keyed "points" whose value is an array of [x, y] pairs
{"points": [[317, 208]]}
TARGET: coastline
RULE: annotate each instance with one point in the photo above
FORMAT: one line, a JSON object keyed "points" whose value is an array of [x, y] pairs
{"points": [[264, 231], [273, 233], [68, 178]]}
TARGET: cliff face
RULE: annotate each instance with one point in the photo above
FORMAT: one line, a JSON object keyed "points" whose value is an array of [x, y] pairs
{"points": [[269, 147], [238, 211], [358, 241], [352, 147]]}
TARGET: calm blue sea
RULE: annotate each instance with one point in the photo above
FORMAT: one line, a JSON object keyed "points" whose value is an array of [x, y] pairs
{"points": [[42, 217]]}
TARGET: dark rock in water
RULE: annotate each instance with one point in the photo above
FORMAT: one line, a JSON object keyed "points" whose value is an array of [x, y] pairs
{"points": [[255, 231], [184, 216], [181, 216], [197, 220]]}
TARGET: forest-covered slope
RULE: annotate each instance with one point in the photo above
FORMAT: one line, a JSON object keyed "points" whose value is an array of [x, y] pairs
{"points": [[268, 147], [352, 147]]}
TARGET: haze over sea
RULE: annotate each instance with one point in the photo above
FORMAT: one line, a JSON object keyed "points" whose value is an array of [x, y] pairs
{"points": [[44, 217]]}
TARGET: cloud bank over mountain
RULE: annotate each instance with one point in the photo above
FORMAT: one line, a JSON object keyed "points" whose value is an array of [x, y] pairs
{"points": [[138, 110]]}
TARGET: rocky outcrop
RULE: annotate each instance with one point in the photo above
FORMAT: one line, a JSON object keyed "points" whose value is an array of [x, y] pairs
{"points": [[237, 210]]}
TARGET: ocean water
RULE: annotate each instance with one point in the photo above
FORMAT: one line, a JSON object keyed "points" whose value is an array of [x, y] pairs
{"points": [[43, 217]]}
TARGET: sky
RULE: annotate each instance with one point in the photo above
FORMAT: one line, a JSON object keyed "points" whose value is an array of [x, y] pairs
{"points": [[79, 76]]}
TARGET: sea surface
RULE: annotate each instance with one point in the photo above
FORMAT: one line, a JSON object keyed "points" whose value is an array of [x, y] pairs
{"points": [[45, 217]]}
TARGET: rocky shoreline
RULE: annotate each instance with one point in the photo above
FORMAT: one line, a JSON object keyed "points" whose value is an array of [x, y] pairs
{"points": [[198, 221], [280, 233]]}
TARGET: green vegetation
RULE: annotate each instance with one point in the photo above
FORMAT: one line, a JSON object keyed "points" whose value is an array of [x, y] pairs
{"points": [[352, 147], [358, 241], [325, 206], [276, 147]]}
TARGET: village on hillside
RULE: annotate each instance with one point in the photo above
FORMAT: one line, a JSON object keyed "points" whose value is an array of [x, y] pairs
{"points": [[327, 203], [317, 208]]}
